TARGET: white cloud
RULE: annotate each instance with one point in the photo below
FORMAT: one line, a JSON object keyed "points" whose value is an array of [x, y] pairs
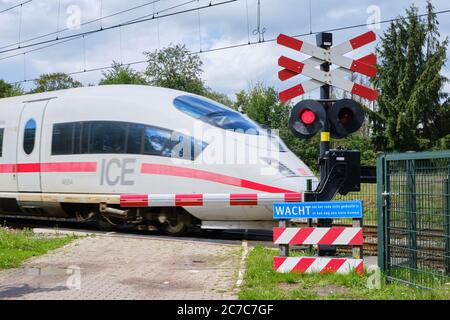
{"points": [[227, 71]]}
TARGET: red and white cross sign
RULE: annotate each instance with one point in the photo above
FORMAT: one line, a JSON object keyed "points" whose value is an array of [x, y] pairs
{"points": [[335, 55]]}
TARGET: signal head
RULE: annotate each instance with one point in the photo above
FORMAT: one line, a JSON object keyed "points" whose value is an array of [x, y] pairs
{"points": [[345, 117], [307, 118]]}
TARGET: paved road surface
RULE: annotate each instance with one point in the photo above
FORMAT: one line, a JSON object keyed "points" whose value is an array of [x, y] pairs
{"points": [[121, 267]]}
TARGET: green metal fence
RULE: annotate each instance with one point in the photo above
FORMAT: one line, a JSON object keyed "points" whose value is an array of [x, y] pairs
{"points": [[368, 195], [414, 217]]}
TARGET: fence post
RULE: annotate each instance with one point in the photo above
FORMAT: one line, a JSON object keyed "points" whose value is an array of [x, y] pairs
{"points": [[309, 223], [447, 223], [411, 213], [357, 251], [284, 248], [381, 212]]}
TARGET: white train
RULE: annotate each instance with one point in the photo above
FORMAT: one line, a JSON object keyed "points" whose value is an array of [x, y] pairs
{"points": [[72, 153]]}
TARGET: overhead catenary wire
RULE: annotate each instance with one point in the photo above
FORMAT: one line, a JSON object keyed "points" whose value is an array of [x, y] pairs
{"points": [[15, 6], [199, 26], [79, 36], [135, 21], [20, 23], [249, 44], [58, 18], [81, 25], [248, 21]]}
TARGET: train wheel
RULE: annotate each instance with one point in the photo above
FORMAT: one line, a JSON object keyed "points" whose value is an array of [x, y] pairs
{"points": [[179, 225]]}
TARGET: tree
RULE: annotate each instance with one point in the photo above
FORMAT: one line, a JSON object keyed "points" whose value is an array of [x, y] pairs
{"points": [[10, 90], [261, 104], [413, 112], [121, 74], [175, 67], [55, 81], [219, 97]]}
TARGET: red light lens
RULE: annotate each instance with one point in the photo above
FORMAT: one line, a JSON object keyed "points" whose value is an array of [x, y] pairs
{"points": [[307, 116], [345, 116]]}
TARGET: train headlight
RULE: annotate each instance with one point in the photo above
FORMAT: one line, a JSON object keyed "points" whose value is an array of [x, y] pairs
{"points": [[284, 170]]}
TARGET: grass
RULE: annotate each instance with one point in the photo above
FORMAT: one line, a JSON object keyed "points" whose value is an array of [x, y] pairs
{"points": [[19, 245], [262, 283]]}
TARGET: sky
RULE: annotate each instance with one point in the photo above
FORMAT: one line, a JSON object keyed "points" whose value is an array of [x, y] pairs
{"points": [[227, 71]]}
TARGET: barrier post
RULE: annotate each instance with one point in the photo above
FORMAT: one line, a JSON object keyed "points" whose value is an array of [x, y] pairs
{"points": [[357, 251], [310, 221], [336, 236], [284, 248]]}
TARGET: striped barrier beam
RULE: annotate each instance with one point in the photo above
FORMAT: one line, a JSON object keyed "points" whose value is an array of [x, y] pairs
{"points": [[322, 236], [220, 199], [318, 265]]}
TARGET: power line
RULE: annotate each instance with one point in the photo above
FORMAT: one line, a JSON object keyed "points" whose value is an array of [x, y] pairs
{"points": [[136, 21], [59, 41], [57, 32], [245, 44], [16, 6]]}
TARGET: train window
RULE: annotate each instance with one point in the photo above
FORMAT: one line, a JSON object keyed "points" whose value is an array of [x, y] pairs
{"points": [[77, 133], [121, 137], [1, 141], [63, 139], [134, 139], [29, 136], [215, 114], [157, 142], [107, 137]]}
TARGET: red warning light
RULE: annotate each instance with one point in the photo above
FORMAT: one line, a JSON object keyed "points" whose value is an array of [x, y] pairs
{"points": [[345, 116], [307, 116]]}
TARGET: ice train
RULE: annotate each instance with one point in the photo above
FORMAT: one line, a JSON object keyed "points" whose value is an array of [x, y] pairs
{"points": [[70, 154]]}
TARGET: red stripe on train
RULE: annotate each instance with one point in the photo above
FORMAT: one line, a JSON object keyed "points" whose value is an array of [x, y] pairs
{"points": [[49, 167], [148, 168], [169, 170]]}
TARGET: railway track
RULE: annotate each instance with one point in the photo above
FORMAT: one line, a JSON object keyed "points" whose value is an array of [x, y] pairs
{"points": [[257, 236]]}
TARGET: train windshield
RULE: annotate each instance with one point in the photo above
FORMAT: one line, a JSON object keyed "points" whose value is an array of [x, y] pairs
{"points": [[216, 114]]}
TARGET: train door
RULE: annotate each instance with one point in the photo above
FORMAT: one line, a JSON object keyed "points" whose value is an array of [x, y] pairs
{"points": [[29, 147]]}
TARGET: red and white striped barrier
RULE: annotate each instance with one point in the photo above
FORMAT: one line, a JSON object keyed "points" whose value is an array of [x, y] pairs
{"points": [[323, 236], [226, 199], [317, 265]]}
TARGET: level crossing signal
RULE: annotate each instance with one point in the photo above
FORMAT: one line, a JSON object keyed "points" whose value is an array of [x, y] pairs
{"points": [[342, 117], [309, 117]]}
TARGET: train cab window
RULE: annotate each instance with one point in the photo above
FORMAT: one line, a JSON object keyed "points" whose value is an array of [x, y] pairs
{"points": [[157, 141], [215, 114], [1, 141], [107, 137], [134, 138], [29, 136], [63, 139]]}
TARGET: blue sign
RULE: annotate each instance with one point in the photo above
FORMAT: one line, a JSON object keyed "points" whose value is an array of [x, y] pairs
{"points": [[321, 209]]}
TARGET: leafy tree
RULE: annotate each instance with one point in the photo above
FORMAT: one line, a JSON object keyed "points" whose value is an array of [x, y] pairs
{"points": [[219, 97], [10, 90], [261, 104], [121, 74], [55, 81], [413, 111], [175, 67], [361, 142]]}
